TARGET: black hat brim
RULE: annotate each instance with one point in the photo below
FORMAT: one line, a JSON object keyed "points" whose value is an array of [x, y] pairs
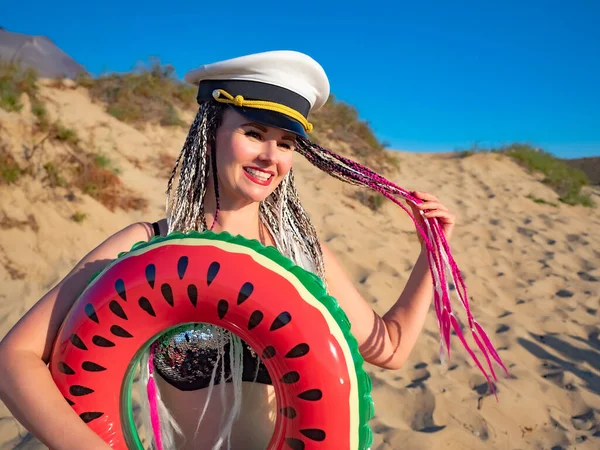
{"points": [[271, 119]]}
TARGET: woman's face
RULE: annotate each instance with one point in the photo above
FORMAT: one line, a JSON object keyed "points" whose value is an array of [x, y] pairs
{"points": [[252, 158]]}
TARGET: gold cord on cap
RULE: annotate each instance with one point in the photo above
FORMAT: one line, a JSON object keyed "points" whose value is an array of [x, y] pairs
{"points": [[240, 101]]}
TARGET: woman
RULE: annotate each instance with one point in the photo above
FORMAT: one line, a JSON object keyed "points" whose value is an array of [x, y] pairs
{"points": [[234, 174]]}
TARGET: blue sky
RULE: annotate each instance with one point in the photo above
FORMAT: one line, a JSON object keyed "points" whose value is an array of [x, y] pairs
{"points": [[429, 77]]}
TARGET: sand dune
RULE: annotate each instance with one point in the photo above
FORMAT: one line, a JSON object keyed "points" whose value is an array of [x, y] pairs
{"points": [[532, 272]]}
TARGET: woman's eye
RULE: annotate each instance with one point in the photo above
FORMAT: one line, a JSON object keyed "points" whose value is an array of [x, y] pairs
{"points": [[286, 146], [253, 134]]}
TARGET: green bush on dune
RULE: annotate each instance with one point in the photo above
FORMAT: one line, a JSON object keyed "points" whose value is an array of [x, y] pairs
{"points": [[14, 81], [148, 94], [565, 180], [10, 171]]}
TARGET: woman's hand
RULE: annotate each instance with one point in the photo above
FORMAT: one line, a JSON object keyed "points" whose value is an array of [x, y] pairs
{"points": [[433, 208]]}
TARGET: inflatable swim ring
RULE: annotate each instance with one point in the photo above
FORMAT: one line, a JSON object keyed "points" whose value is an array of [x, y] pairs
{"points": [[281, 310]]}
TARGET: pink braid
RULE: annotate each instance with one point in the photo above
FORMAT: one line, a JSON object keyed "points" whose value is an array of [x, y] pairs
{"points": [[152, 400]]}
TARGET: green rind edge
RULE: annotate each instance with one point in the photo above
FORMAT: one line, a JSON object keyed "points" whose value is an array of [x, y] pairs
{"points": [[315, 287]]}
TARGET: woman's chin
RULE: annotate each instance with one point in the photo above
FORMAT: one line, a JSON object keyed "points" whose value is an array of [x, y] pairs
{"points": [[253, 195], [257, 193]]}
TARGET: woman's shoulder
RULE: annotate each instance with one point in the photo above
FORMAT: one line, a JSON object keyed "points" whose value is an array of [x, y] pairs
{"points": [[159, 227], [136, 232]]}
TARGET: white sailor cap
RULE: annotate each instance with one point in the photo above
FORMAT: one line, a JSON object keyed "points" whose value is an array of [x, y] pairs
{"points": [[276, 88]]}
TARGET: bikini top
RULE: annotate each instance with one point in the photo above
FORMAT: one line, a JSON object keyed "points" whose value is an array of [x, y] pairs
{"points": [[187, 356]]}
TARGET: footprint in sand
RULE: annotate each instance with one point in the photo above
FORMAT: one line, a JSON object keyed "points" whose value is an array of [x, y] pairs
{"points": [[587, 277], [585, 421], [422, 376], [399, 408], [527, 232], [502, 328], [564, 293]]}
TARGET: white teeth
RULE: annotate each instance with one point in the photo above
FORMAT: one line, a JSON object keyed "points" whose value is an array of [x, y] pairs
{"points": [[256, 173]]}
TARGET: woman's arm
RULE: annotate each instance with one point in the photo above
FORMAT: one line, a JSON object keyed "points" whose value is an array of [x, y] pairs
{"points": [[26, 386], [387, 341]]}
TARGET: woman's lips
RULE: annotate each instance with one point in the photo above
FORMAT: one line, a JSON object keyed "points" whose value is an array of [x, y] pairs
{"points": [[257, 180]]}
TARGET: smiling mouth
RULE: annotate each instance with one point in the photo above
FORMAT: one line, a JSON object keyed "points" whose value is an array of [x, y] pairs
{"points": [[262, 176]]}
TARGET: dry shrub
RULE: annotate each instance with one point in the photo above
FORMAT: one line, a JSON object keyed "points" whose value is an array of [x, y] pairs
{"points": [[8, 223], [373, 200], [165, 162], [10, 171], [13, 272], [105, 186]]}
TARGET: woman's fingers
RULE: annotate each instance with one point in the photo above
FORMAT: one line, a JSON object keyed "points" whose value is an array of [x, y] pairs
{"points": [[425, 196], [432, 205], [432, 208], [442, 214]]}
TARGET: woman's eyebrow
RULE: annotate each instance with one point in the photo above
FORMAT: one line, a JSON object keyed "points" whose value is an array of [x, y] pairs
{"points": [[287, 137], [255, 125]]}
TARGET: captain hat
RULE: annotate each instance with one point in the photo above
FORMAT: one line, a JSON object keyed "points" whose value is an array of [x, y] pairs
{"points": [[276, 88]]}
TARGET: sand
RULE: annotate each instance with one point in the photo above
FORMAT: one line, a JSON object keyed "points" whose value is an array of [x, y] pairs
{"points": [[532, 271]]}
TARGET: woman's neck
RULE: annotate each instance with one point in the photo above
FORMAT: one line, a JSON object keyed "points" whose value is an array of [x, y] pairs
{"points": [[242, 221], [235, 218]]}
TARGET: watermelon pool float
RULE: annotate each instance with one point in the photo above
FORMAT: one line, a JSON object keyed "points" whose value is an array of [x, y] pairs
{"points": [[281, 310]]}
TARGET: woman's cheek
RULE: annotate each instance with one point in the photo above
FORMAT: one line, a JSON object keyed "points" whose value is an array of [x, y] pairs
{"points": [[285, 164]]}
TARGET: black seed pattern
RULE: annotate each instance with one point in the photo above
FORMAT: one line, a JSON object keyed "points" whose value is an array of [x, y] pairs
{"points": [[117, 310], [314, 434], [120, 288], [70, 402], [65, 368], [121, 332], [282, 320], [146, 306], [290, 377], [311, 395], [222, 308], [298, 351], [167, 293], [151, 274], [87, 417], [77, 390], [245, 292], [289, 412], [268, 352], [193, 294], [213, 270], [255, 319], [102, 342], [77, 342], [182, 265], [92, 367], [295, 444], [91, 312]]}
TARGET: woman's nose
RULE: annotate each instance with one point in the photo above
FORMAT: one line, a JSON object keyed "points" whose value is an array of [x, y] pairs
{"points": [[270, 151]]}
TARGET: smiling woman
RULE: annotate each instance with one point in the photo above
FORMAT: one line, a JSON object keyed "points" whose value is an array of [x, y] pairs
{"points": [[234, 174]]}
